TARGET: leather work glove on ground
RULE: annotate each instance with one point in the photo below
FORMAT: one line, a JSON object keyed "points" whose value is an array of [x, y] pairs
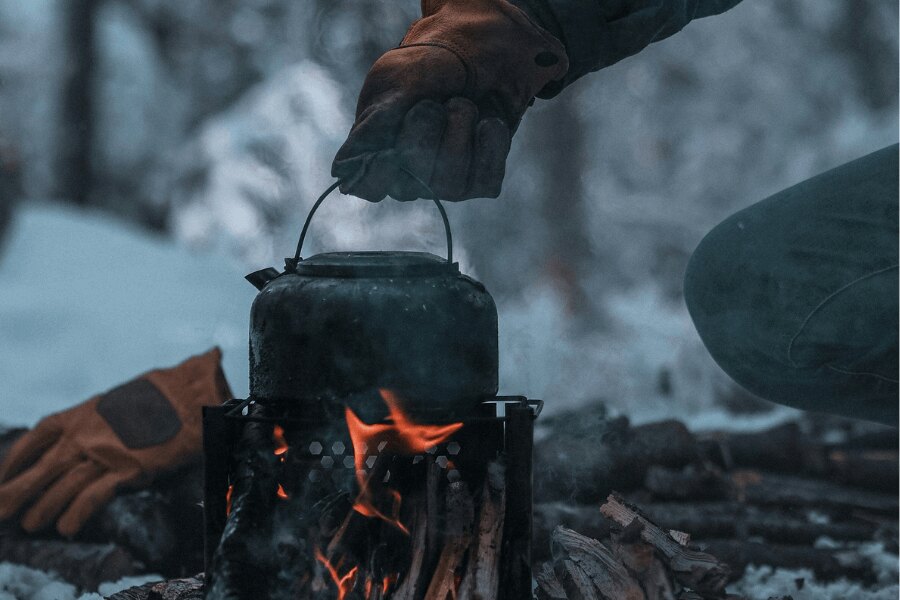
{"points": [[446, 102], [73, 461]]}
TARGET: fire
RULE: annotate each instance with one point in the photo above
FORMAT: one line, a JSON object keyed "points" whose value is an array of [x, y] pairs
{"points": [[228, 499], [401, 436], [344, 583], [281, 493], [281, 445]]}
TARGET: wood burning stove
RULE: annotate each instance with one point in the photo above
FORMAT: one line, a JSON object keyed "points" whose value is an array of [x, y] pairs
{"points": [[373, 458]]}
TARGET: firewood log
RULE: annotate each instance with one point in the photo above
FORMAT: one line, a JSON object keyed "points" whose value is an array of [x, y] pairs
{"points": [[732, 519], [693, 482], [588, 458], [783, 448], [770, 489], [641, 561], [414, 582], [483, 573], [585, 519], [588, 570], [698, 571], [456, 539], [548, 586], [872, 469]]}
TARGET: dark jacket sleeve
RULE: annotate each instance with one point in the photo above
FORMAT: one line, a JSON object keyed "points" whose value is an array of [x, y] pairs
{"points": [[598, 33]]}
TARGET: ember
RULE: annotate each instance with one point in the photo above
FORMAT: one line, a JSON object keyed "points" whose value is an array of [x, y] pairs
{"points": [[344, 583]]}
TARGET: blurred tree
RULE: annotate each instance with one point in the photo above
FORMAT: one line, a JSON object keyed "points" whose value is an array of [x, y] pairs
{"points": [[76, 171], [568, 253], [10, 185]]}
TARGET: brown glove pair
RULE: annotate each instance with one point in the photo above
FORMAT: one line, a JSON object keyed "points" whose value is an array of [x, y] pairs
{"points": [[445, 102], [73, 462]]}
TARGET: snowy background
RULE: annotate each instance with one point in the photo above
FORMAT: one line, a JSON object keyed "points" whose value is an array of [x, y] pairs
{"points": [[152, 152]]}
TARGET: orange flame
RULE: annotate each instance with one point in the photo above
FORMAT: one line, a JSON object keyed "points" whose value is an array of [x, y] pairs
{"points": [[228, 499], [388, 581], [402, 436], [281, 445], [345, 583], [281, 493]]}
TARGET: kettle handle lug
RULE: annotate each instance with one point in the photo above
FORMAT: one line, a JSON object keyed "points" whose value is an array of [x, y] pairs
{"points": [[291, 263]]}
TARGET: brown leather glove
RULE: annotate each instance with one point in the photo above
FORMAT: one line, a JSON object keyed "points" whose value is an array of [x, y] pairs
{"points": [[73, 461], [446, 102]]}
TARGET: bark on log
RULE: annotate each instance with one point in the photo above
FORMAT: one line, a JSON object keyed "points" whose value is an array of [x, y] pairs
{"points": [[588, 570], [698, 571]]}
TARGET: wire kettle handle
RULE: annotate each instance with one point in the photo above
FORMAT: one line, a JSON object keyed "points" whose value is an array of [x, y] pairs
{"points": [[297, 258]]}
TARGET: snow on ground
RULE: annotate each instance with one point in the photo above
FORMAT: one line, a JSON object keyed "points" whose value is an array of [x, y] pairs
{"points": [[23, 583], [87, 302]]}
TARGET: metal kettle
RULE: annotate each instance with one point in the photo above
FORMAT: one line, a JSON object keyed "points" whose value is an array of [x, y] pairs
{"points": [[335, 328]]}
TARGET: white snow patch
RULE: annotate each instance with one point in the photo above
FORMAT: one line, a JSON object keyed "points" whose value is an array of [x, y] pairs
{"points": [[87, 303], [22, 583], [113, 587], [760, 583], [765, 582]]}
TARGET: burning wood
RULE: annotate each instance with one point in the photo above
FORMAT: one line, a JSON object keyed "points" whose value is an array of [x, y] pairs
{"points": [[426, 521]]}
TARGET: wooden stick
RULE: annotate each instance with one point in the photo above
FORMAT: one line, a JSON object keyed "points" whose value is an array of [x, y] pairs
{"points": [[697, 570], [412, 584], [457, 536], [483, 573]]}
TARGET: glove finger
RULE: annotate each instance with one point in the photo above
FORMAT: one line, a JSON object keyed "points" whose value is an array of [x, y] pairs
{"points": [[18, 491], [417, 147], [92, 498], [28, 447], [380, 173], [492, 140], [57, 497], [375, 131], [450, 177]]}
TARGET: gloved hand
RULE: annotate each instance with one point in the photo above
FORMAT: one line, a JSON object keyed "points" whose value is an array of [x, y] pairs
{"points": [[446, 102], [73, 461]]}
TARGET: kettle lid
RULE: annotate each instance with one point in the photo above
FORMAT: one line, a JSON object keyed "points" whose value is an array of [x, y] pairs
{"points": [[375, 264]]}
